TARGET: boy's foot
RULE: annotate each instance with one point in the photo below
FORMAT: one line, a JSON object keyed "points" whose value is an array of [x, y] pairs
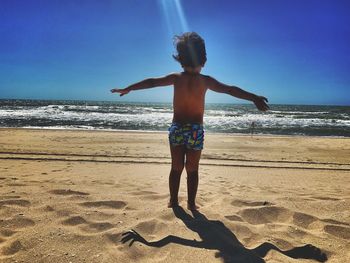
{"points": [[173, 204], [192, 207]]}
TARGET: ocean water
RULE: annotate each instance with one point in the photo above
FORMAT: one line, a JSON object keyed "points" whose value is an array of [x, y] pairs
{"points": [[220, 118]]}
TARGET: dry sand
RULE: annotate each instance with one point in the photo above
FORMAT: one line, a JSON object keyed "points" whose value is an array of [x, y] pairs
{"points": [[67, 196]]}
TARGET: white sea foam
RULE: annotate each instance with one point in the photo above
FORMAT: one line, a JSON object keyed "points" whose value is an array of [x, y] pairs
{"points": [[218, 118]]}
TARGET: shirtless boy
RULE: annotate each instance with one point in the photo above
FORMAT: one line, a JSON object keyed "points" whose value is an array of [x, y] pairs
{"points": [[186, 134]]}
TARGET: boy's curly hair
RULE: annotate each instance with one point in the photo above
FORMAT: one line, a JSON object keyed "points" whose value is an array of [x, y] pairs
{"points": [[190, 50]]}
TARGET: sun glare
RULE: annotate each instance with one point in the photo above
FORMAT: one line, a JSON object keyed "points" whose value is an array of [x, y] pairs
{"points": [[174, 16]]}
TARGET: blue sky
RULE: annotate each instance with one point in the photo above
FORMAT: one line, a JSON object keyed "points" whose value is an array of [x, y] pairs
{"points": [[295, 52]]}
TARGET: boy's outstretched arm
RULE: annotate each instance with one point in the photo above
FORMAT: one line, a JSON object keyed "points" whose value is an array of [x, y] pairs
{"points": [[259, 101], [148, 83]]}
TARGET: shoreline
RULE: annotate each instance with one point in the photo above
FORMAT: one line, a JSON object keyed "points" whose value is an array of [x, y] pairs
{"points": [[165, 132]]}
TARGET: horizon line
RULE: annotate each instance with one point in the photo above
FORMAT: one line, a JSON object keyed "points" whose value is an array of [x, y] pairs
{"points": [[170, 102]]}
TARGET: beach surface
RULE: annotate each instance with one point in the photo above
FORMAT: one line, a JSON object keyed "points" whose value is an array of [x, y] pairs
{"points": [[69, 195]]}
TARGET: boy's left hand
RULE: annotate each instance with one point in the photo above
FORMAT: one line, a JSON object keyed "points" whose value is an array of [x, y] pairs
{"points": [[260, 103], [121, 91]]}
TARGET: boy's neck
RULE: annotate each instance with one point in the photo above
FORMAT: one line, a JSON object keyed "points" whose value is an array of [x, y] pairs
{"points": [[195, 70]]}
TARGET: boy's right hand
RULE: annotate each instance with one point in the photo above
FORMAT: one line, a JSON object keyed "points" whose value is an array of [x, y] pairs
{"points": [[121, 91], [260, 103]]}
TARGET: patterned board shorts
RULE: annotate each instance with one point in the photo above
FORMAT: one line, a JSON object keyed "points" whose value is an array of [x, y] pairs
{"points": [[191, 135]]}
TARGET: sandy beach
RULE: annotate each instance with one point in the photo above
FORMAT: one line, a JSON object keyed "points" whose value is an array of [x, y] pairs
{"points": [[68, 196]]}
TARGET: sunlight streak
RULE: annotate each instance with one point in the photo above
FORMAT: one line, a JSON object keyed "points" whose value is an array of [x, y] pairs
{"points": [[181, 15], [174, 15]]}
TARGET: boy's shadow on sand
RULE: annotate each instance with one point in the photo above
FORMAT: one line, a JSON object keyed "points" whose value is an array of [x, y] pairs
{"points": [[215, 235]]}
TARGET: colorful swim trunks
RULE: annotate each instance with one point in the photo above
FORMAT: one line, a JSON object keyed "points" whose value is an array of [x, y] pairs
{"points": [[191, 135]]}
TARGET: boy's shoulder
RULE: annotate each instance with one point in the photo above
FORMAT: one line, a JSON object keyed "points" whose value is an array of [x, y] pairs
{"points": [[183, 74], [173, 75], [205, 79]]}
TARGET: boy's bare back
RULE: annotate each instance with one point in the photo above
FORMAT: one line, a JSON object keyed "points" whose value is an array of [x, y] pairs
{"points": [[189, 97]]}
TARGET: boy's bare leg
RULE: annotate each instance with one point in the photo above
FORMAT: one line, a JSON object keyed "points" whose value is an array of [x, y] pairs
{"points": [[177, 165], [192, 164]]}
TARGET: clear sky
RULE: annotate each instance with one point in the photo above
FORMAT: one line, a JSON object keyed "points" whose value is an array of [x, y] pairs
{"points": [[291, 51]]}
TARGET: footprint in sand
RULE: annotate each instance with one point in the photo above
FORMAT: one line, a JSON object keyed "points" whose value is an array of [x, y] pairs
{"points": [[7, 232], [114, 238], [12, 249], [264, 212], [74, 220], [151, 226], [67, 192], [274, 214], [338, 231], [263, 215], [16, 222], [107, 204], [17, 202], [87, 226], [303, 220]]}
